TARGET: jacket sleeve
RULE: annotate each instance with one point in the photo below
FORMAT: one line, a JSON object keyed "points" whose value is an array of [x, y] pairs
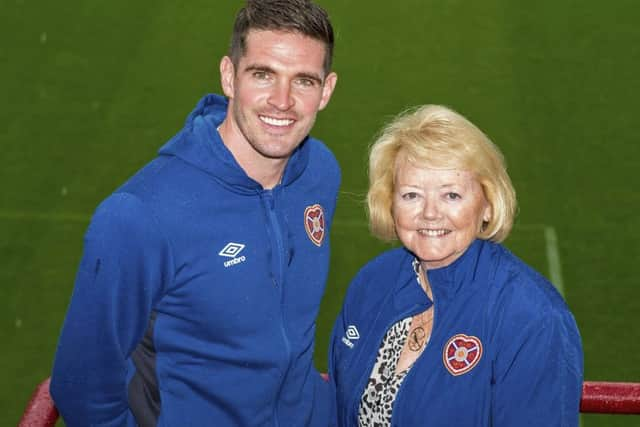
{"points": [[339, 352], [125, 266], [338, 329], [538, 373]]}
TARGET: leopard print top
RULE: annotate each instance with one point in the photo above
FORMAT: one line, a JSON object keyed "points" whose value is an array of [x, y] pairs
{"points": [[377, 400], [376, 404]]}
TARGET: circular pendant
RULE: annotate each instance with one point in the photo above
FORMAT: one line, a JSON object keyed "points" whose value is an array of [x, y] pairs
{"points": [[416, 339]]}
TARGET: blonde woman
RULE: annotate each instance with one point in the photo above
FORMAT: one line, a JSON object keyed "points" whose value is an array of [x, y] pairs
{"points": [[451, 329]]}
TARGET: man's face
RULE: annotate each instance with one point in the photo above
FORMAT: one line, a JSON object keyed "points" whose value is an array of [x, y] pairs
{"points": [[275, 92]]}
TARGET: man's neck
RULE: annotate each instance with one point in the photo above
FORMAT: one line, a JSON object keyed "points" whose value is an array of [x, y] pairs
{"points": [[268, 172]]}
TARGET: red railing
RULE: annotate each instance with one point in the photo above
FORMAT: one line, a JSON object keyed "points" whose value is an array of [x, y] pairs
{"points": [[40, 411], [601, 397], [597, 397]]}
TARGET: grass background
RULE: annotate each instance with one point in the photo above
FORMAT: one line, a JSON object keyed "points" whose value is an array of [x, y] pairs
{"points": [[92, 89]]}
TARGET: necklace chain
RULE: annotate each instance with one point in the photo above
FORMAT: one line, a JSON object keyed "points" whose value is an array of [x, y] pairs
{"points": [[418, 337]]}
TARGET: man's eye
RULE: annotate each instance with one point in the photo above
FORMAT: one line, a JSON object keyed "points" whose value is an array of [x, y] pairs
{"points": [[306, 82], [260, 75]]}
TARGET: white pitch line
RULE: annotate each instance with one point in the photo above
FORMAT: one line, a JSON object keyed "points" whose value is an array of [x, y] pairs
{"points": [[555, 268], [553, 258]]}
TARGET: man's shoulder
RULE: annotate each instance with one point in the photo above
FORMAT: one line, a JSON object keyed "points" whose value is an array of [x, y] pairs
{"points": [[148, 177], [137, 197], [166, 181], [320, 153], [321, 168], [122, 219]]}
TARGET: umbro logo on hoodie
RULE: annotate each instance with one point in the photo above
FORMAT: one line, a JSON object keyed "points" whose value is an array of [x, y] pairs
{"points": [[232, 250], [351, 335]]}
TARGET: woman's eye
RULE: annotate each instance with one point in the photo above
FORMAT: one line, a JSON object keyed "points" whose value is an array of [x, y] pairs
{"points": [[453, 196], [409, 196]]}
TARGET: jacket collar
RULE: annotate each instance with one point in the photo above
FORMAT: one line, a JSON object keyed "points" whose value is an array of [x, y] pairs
{"points": [[465, 272], [408, 291], [468, 271]]}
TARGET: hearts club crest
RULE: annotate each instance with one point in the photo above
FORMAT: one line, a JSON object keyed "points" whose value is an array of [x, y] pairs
{"points": [[314, 223], [461, 354]]}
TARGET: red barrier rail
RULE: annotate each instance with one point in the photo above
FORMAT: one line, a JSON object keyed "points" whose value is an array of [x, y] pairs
{"points": [[597, 398], [602, 397], [40, 411]]}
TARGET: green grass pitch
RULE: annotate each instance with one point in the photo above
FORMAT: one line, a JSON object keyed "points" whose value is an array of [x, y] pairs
{"points": [[91, 89]]}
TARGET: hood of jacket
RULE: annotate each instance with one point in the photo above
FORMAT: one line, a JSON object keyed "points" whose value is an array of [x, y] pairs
{"points": [[199, 144]]}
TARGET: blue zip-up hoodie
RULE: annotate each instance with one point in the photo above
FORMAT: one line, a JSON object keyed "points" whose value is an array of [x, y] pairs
{"points": [[504, 351], [197, 293]]}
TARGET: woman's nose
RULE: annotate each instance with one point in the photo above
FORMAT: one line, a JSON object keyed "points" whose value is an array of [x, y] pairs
{"points": [[430, 209]]}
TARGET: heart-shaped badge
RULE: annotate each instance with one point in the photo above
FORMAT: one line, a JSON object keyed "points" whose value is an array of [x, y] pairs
{"points": [[461, 354], [314, 223]]}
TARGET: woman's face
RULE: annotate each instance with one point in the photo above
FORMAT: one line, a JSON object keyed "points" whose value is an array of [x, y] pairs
{"points": [[437, 212]]}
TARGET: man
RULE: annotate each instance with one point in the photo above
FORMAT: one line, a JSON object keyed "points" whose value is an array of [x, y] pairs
{"points": [[197, 293]]}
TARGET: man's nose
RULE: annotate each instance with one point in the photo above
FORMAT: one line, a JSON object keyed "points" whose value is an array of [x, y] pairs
{"points": [[281, 96]]}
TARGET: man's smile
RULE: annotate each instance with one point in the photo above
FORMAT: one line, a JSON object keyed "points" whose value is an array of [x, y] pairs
{"points": [[272, 121]]}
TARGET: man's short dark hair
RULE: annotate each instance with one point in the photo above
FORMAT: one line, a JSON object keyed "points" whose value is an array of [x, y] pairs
{"points": [[298, 16]]}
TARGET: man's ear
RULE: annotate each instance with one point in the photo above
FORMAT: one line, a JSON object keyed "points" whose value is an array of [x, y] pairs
{"points": [[227, 74], [327, 89]]}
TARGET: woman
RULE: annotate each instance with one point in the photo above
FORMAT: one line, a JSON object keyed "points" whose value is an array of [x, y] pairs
{"points": [[452, 329]]}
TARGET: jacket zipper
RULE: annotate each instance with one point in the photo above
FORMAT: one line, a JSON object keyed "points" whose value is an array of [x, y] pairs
{"points": [[278, 281], [426, 347]]}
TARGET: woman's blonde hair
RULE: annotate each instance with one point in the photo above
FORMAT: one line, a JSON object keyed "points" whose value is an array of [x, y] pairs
{"points": [[436, 137]]}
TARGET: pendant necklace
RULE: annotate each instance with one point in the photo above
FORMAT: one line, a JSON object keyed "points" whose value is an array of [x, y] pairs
{"points": [[417, 336]]}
